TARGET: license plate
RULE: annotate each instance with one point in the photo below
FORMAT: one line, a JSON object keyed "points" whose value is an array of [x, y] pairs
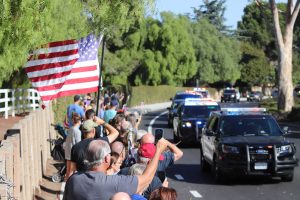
{"points": [[260, 166]]}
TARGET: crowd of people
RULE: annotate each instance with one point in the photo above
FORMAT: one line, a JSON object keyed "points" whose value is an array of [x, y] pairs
{"points": [[109, 158]]}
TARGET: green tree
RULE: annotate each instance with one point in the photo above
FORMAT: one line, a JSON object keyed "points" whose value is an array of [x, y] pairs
{"points": [[27, 24], [169, 57], [213, 11], [217, 55], [256, 69]]}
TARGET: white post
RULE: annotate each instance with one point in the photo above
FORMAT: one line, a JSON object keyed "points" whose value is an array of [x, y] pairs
{"points": [[6, 104], [13, 102]]}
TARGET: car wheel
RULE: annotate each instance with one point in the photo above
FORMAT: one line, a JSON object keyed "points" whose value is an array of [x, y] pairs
{"points": [[204, 164], [288, 178], [218, 175]]}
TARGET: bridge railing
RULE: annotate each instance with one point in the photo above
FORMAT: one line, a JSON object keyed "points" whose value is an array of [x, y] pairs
{"points": [[14, 101]]}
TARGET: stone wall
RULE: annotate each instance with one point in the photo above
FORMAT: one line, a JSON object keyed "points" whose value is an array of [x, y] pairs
{"points": [[24, 153]]}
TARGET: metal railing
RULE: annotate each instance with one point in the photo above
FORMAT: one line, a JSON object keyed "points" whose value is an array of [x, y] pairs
{"points": [[14, 101]]}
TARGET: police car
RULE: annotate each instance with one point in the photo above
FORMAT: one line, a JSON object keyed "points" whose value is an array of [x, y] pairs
{"points": [[177, 100], [246, 141], [190, 118]]}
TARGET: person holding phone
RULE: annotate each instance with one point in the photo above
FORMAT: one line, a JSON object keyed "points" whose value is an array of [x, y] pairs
{"points": [[147, 150]]}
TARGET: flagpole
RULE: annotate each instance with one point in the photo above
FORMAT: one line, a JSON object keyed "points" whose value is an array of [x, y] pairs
{"points": [[100, 75]]}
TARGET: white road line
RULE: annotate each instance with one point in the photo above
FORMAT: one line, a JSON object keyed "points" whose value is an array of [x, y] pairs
{"points": [[179, 177], [153, 121], [62, 189], [195, 194]]}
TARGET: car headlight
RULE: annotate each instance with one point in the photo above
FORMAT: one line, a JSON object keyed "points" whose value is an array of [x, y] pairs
{"points": [[229, 149], [187, 124], [285, 149], [232, 95]]}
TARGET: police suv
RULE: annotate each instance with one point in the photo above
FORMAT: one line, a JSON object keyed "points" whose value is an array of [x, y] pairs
{"points": [[177, 100], [191, 117], [246, 141]]}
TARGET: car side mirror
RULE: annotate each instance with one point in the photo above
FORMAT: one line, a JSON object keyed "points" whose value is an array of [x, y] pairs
{"points": [[286, 130], [209, 132]]}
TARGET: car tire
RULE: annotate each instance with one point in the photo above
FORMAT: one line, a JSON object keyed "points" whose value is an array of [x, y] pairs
{"points": [[217, 173], [288, 178], [203, 163]]}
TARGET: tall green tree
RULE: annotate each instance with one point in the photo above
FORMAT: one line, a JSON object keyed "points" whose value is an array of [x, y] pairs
{"points": [[213, 11], [217, 55], [256, 69]]}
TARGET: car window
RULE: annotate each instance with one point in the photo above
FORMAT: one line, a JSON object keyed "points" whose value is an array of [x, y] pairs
{"points": [[215, 125], [249, 126], [199, 111], [211, 123], [184, 96], [229, 91]]}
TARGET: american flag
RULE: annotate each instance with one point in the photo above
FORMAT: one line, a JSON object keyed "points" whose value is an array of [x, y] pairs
{"points": [[65, 68]]}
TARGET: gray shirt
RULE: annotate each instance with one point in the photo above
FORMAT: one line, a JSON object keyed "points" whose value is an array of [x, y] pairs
{"points": [[97, 185], [73, 137]]}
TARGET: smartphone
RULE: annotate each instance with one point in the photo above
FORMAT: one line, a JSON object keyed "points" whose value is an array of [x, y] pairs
{"points": [[159, 133], [161, 175]]}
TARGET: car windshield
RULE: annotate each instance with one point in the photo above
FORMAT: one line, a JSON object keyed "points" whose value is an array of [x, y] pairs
{"points": [[249, 126], [229, 91], [199, 111], [176, 104], [184, 96]]}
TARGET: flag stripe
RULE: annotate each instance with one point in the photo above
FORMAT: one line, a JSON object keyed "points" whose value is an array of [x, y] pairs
{"points": [[61, 43], [52, 60], [64, 68], [55, 49], [84, 69], [58, 69], [71, 81], [70, 92], [50, 76], [70, 87], [53, 55], [62, 79], [46, 99]]}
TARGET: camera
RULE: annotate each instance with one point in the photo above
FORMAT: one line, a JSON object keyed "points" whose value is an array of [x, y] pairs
{"points": [[159, 133]]}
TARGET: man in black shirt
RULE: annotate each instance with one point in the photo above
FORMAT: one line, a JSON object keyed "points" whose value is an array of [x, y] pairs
{"points": [[78, 152]]}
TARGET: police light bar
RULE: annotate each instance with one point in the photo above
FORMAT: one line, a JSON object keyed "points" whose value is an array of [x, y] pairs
{"points": [[261, 110], [200, 102]]}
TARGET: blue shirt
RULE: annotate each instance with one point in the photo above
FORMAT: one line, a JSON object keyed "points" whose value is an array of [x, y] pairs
{"points": [[109, 114], [74, 108]]}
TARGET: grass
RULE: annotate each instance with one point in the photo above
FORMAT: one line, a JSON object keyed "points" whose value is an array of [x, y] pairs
{"points": [[156, 94], [145, 94], [271, 106]]}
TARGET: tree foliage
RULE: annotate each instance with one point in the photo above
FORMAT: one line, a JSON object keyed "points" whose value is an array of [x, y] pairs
{"points": [[256, 69], [213, 11], [217, 55], [26, 24]]}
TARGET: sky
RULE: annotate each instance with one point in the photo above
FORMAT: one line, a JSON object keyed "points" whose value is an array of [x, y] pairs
{"points": [[233, 13]]}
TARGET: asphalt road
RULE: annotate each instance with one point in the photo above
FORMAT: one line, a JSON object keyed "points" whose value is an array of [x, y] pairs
{"points": [[191, 183]]}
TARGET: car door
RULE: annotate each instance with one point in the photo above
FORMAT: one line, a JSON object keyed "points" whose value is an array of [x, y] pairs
{"points": [[212, 138], [176, 119], [206, 136]]}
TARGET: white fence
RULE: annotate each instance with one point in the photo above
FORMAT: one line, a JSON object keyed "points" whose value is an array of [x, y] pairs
{"points": [[14, 101]]}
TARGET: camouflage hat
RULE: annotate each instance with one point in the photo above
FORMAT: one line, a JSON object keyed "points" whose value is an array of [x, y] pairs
{"points": [[88, 125]]}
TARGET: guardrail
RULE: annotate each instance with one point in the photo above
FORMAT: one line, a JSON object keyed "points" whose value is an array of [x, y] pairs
{"points": [[15, 100]]}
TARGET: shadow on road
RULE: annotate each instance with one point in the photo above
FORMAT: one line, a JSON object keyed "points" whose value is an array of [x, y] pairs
{"points": [[193, 174]]}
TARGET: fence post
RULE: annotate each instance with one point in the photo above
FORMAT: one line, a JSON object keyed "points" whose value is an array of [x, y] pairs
{"points": [[6, 104], [13, 102]]}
